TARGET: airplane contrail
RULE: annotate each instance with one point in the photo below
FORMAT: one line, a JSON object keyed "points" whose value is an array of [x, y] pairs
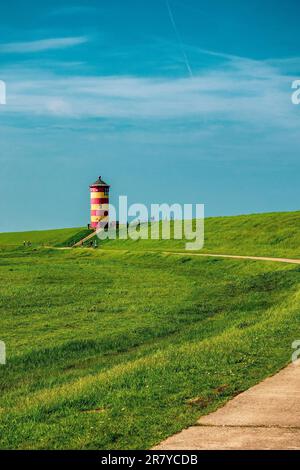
{"points": [[172, 19]]}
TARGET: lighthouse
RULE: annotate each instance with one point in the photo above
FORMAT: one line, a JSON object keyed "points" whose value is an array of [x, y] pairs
{"points": [[99, 203]]}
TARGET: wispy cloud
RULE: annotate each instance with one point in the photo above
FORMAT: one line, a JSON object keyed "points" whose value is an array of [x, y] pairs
{"points": [[244, 91], [42, 44]]}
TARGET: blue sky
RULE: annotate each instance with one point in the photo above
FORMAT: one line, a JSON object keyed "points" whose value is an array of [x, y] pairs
{"points": [[186, 104]]}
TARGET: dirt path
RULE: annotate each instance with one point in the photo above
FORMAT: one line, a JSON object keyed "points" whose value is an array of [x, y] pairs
{"points": [[213, 255], [267, 416], [189, 253], [257, 258]]}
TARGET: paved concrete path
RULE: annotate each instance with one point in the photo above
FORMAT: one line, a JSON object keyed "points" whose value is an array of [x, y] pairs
{"points": [[267, 416]]}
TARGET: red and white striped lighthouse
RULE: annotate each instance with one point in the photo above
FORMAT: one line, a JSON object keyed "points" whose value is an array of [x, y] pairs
{"points": [[99, 203]]}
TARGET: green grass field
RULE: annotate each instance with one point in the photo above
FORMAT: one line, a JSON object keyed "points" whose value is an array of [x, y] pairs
{"points": [[58, 237], [120, 349]]}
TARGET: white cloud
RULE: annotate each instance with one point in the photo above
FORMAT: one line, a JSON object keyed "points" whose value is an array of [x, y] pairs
{"points": [[42, 44], [240, 110], [58, 106], [254, 94]]}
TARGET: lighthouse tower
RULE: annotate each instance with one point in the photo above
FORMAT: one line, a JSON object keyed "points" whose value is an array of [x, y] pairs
{"points": [[99, 203]]}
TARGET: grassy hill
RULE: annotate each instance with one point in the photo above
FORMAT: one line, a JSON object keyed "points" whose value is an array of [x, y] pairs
{"points": [[56, 237], [273, 234], [115, 349]]}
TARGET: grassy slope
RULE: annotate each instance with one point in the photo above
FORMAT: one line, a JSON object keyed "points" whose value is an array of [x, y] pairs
{"points": [[113, 350], [275, 234], [42, 237]]}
